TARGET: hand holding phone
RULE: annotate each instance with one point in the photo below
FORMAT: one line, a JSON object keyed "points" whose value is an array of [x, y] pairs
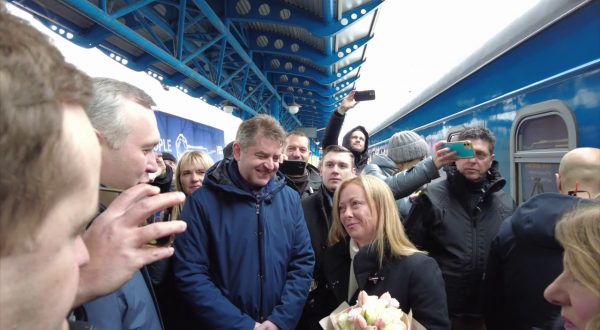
{"points": [[116, 241], [463, 149], [107, 195], [367, 95], [292, 167]]}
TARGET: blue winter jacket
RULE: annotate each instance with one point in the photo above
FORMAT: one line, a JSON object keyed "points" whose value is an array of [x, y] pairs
{"points": [[129, 308], [246, 256]]}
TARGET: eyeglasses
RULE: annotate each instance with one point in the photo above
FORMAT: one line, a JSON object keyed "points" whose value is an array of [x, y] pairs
{"points": [[579, 193]]}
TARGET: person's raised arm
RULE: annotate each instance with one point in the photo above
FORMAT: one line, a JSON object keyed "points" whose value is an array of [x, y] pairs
{"points": [[405, 183], [334, 126], [118, 246]]}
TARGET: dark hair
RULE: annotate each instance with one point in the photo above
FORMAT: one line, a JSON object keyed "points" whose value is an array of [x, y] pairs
{"points": [[479, 133], [336, 148]]}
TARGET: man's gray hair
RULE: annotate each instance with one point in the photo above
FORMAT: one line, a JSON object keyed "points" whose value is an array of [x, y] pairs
{"points": [[265, 125], [105, 111]]}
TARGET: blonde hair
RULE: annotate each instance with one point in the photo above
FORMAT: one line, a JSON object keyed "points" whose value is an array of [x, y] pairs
{"points": [[390, 232], [195, 157], [579, 234]]}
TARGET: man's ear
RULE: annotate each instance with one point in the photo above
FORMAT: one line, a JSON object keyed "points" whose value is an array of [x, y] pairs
{"points": [[558, 184], [237, 151], [101, 138], [354, 170]]}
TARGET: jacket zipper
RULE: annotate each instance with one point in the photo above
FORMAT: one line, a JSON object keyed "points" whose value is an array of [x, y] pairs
{"points": [[261, 275]]}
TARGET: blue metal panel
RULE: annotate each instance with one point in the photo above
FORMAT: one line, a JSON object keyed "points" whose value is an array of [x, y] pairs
{"points": [[208, 49]]}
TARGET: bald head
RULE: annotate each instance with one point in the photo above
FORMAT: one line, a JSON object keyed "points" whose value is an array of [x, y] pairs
{"points": [[580, 166]]}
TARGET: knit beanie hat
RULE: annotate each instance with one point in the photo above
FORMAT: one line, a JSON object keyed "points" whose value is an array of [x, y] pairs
{"points": [[406, 146]]}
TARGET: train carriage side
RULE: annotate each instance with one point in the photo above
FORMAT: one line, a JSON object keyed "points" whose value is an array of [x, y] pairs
{"points": [[541, 98]]}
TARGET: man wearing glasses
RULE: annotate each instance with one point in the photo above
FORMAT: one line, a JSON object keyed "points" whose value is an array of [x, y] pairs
{"points": [[525, 257], [455, 221]]}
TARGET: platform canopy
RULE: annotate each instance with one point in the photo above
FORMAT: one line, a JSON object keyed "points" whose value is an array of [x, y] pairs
{"points": [[245, 56]]}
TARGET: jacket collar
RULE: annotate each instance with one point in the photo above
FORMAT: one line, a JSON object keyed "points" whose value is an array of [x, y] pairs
{"points": [[493, 181]]}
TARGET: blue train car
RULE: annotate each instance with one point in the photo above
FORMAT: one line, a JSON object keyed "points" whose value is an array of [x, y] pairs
{"points": [[536, 86]]}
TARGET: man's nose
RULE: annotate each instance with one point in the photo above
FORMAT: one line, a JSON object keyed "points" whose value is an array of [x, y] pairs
{"points": [[270, 164], [151, 165], [82, 255]]}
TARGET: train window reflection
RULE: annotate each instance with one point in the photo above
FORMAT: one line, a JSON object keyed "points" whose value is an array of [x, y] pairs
{"points": [[536, 178], [540, 135], [547, 132]]}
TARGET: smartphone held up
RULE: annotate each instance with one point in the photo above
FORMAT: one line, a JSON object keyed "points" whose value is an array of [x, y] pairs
{"points": [[367, 95], [463, 149]]}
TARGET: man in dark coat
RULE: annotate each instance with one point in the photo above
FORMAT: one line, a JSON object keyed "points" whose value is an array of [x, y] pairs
{"points": [[455, 221], [525, 256], [297, 148], [356, 140], [337, 164], [246, 261]]}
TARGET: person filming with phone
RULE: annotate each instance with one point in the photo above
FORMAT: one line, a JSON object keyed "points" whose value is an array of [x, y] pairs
{"points": [[357, 139], [300, 175], [407, 168], [456, 219]]}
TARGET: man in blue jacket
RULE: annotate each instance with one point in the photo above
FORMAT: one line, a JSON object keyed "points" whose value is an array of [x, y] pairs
{"points": [[246, 261], [126, 127]]}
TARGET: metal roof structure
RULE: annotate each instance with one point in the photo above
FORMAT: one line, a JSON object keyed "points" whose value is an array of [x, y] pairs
{"points": [[258, 56]]}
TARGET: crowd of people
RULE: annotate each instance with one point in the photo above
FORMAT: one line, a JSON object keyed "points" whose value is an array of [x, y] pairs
{"points": [[256, 247]]}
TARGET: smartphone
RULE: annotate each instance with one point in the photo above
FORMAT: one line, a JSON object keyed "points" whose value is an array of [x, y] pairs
{"points": [[464, 149], [164, 215], [107, 195], [292, 167], [364, 95]]}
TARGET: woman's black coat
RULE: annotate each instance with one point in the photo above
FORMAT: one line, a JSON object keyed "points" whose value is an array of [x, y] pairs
{"points": [[415, 281]]}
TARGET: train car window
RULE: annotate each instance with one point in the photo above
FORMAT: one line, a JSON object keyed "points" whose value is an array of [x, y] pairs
{"points": [[540, 135], [454, 132], [544, 132]]}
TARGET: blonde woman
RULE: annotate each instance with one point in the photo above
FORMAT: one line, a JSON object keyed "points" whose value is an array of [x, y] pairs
{"points": [[577, 288], [371, 252], [189, 175]]}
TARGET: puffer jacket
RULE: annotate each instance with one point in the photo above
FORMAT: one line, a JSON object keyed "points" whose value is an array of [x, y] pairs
{"points": [[380, 166], [246, 255], [525, 258], [332, 134], [455, 221]]}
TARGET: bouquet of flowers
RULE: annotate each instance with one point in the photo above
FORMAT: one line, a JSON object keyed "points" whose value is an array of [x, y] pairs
{"points": [[372, 313]]}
